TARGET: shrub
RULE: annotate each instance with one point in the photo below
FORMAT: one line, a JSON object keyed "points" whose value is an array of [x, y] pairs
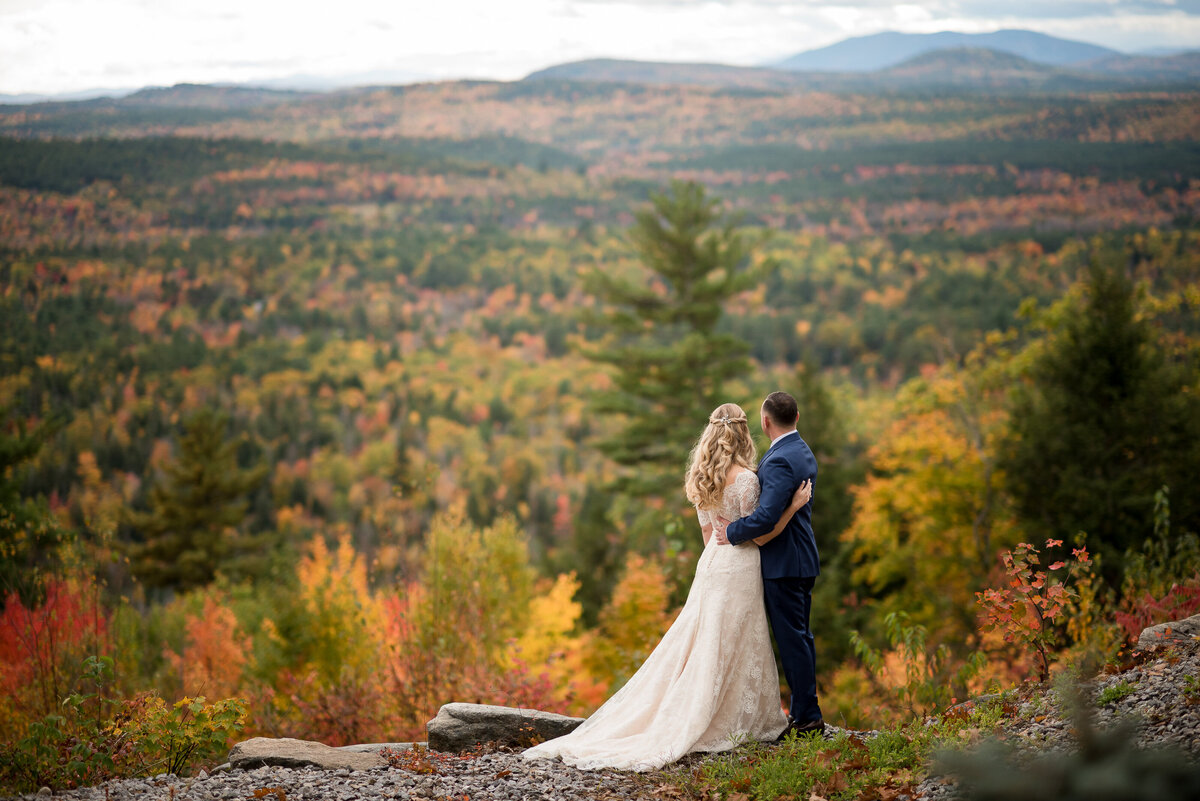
{"points": [[922, 678], [1027, 609], [98, 738], [1162, 580]]}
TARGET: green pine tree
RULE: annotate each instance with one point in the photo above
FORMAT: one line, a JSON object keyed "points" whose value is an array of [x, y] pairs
{"points": [[821, 424], [29, 534], [1105, 422], [670, 362], [192, 527]]}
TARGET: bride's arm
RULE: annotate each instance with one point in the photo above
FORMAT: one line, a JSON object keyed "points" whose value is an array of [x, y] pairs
{"points": [[706, 532], [802, 496]]}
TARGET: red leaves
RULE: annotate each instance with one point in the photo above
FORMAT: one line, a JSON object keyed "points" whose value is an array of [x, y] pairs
{"points": [[1025, 609], [1179, 601], [40, 648]]}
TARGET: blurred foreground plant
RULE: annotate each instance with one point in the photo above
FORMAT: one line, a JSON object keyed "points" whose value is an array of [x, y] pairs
{"points": [[1107, 764]]}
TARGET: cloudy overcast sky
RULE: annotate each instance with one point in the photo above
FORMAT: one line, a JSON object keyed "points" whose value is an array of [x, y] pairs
{"points": [[51, 46]]}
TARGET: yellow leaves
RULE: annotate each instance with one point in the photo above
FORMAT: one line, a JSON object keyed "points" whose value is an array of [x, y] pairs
{"points": [[337, 579], [633, 621], [891, 297], [345, 619], [547, 642], [552, 618], [927, 514], [100, 503]]}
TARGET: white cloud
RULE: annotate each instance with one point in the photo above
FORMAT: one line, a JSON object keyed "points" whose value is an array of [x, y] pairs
{"points": [[63, 45]]}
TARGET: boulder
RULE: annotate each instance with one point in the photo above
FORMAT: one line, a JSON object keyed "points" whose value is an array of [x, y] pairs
{"points": [[285, 752], [375, 748], [459, 727], [1186, 630]]}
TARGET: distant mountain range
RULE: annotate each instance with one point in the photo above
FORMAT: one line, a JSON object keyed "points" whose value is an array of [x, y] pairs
{"points": [[1002, 61], [1016, 60], [957, 68], [880, 50], [297, 83]]}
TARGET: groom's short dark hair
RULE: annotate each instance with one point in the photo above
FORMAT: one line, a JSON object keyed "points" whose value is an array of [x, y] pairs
{"points": [[781, 408]]}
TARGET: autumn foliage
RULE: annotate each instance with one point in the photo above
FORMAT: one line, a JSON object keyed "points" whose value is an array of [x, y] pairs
{"points": [[297, 407]]}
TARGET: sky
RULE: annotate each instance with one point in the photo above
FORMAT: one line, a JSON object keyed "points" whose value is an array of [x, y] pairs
{"points": [[57, 46]]}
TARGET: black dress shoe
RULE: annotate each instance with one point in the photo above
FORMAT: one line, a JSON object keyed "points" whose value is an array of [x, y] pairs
{"points": [[798, 729]]}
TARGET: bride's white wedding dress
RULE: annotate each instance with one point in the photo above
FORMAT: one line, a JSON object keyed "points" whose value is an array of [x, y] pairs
{"points": [[710, 684]]}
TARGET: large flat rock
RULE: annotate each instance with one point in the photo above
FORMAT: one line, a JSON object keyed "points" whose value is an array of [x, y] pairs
{"points": [[1186, 630], [285, 752], [460, 727]]}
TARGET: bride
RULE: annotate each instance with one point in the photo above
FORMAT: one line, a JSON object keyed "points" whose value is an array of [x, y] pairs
{"points": [[711, 682]]}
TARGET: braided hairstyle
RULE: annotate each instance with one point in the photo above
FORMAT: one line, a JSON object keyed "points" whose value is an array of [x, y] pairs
{"points": [[726, 441]]}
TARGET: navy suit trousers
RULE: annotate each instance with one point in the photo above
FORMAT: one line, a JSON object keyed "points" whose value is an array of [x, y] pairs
{"points": [[789, 602]]}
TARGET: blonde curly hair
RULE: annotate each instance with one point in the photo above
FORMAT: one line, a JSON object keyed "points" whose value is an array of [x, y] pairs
{"points": [[726, 441]]}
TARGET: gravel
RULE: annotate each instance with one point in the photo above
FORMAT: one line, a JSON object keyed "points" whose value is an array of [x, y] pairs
{"points": [[500, 776]]}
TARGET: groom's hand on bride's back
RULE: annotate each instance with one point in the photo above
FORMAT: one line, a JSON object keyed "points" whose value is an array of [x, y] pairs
{"points": [[719, 530]]}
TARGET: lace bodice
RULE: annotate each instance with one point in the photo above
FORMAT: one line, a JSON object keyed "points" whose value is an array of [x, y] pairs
{"points": [[739, 500]]}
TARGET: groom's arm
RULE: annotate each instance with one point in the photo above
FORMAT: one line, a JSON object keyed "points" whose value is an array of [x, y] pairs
{"points": [[778, 484]]}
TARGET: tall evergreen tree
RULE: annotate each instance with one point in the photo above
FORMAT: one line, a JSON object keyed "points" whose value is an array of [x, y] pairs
{"points": [[821, 424], [191, 529], [1104, 422], [29, 534], [671, 363]]}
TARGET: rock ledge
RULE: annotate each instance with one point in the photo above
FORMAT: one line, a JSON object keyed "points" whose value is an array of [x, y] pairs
{"points": [[285, 752], [1179, 631], [460, 727]]}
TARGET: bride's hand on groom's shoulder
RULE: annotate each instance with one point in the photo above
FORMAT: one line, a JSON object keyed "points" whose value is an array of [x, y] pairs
{"points": [[803, 494]]}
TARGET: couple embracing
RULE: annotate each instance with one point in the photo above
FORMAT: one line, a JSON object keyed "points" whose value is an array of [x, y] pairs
{"points": [[711, 682]]}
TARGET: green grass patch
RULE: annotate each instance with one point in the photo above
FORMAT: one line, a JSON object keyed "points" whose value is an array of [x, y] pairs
{"points": [[1117, 692], [843, 767], [1191, 689]]}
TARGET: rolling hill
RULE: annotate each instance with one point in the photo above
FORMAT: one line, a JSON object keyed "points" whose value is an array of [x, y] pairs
{"points": [[965, 68], [881, 50]]}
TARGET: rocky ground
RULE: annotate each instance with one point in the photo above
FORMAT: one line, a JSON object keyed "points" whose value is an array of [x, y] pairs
{"points": [[1159, 693], [497, 775]]}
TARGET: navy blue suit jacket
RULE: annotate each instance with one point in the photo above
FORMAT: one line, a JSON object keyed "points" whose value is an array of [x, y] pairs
{"points": [[794, 552]]}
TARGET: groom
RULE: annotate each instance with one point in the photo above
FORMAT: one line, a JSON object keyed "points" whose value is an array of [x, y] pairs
{"points": [[789, 562]]}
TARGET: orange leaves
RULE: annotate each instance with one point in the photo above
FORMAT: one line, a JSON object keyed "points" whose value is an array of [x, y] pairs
{"points": [[344, 620], [928, 513], [215, 652], [1026, 610], [632, 623]]}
